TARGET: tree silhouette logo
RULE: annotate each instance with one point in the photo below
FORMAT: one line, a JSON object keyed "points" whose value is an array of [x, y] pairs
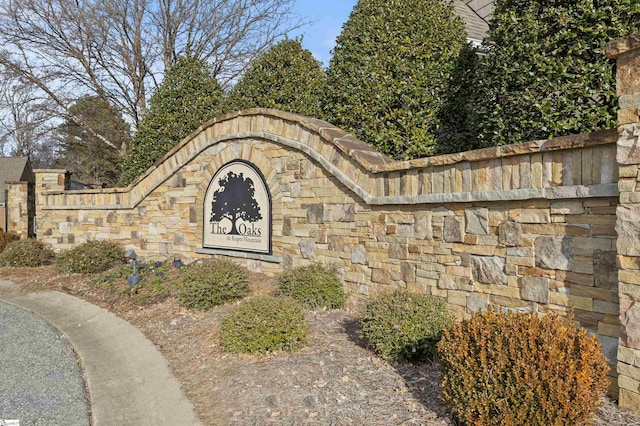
{"points": [[234, 200], [237, 210]]}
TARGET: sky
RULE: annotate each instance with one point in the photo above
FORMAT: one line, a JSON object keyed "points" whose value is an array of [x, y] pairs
{"points": [[327, 17]]}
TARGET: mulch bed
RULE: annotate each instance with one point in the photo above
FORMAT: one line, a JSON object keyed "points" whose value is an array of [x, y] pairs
{"points": [[336, 380]]}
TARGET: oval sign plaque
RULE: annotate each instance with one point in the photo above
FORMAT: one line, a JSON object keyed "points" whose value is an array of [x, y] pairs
{"points": [[237, 210]]}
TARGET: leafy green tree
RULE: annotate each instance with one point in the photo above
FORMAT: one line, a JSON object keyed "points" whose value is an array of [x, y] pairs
{"points": [[82, 153], [285, 77], [389, 72], [545, 73], [187, 97]]}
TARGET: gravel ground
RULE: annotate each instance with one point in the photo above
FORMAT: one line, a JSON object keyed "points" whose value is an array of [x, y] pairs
{"points": [[40, 380]]}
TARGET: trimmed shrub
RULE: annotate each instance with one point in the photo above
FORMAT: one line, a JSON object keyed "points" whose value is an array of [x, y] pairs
{"points": [[315, 286], [404, 326], [390, 72], [521, 369], [6, 238], [545, 73], [26, 253], [188, 96], [286, 77], [205, 285], [90, 257], [265, 324]]}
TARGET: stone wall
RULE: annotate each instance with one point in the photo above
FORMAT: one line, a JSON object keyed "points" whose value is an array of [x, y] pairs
{"points": [[627, 53], [534, 226]]}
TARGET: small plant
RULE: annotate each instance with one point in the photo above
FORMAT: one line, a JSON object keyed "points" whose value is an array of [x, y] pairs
{"points": [[315, 286], [205, 285], [265, 324], [6, 238], [521, 369], [403, 326], [90, 257], [26, 253]]}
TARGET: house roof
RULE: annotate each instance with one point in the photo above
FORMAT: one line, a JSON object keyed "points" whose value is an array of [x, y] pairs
{"points": [[14, 169], [476, 25]]}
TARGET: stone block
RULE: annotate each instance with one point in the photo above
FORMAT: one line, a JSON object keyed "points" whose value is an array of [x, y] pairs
{"points": [[359, 256], [553, 252], [533, 216], [381, 276], [408, 271], [488, 269], [477, 303], [453, 230], [567, 207], [605, 270], [535, 289], [422, 225], [629, 400], [315, 213], [509, 234], [343, 213], [287, 229], [630, 323], [307, 249], [477, 221], [398, 251]]}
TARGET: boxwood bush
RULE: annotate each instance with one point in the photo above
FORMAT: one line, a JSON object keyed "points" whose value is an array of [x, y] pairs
{"points": [[315, 286], [521, 369], [404, 326], [265, 324], [205, 285], [90, 257], [26, 253]]}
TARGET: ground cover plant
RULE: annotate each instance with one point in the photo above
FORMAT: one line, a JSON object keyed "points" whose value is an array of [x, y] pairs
{"points": [[265, 324], [315, 286], [404, 326], [513, 368], [26, 253], [90, 257], [204, 285]]}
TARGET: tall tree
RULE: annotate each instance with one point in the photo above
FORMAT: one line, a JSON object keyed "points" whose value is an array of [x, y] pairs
{"points": [[285, 77], [80, 152], [545, 73], [119, 49], [188, 96], [389, 73]]}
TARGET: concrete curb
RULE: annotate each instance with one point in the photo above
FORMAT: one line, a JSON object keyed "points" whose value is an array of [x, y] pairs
{"points": [[129, 381]]}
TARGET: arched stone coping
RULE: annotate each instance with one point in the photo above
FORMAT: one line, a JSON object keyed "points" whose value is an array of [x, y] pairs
{"points": [[536, 169]]}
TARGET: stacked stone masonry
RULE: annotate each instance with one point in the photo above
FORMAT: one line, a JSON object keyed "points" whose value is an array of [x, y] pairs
{"points": [[536, 226], [627, 54]]}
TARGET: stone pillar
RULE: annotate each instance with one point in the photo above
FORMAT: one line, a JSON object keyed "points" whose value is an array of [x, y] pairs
{"points": [[19, 210], [627, 53], [48, 180]]}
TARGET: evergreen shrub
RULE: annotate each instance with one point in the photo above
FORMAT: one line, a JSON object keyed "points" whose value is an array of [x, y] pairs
{"points": [[90, 257], [265, 324], [315, 286], [6, 238], [26, 253], [205, 285], [512, 368], [404, 326]]}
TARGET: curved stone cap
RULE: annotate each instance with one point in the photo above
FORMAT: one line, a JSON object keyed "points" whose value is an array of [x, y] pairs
{"points": [[615, 48], [521, 171]]}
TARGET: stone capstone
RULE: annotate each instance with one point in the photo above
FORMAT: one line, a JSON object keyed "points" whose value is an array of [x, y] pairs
{"points": [[534, 289], [477, 221], [509, 234], [553, 252], [488, 269]]}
